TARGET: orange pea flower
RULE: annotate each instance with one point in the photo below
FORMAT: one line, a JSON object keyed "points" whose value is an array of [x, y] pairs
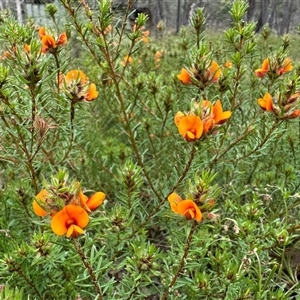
{"points": [[184, 76], [190, 127], [145, 36], [179, 115], [27, 48], [126, 60], [70, 221], [214, 72], [49, 43], [287, 66], [264, 69], [213, 115], [157, 56], [62, 39], [91, 93], [266, 103], [187, 208], [75, 75], [90, 204], [294, 114], [220, 116], [228, 64], [37, 208], [42, 32], [78, 85]]}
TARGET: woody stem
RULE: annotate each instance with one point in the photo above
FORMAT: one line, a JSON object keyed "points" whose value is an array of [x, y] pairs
{"points": [[88, 267], [181, 264]]}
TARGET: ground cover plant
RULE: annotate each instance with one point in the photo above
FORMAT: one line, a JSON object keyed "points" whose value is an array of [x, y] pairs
{"points": [[142, 168]]}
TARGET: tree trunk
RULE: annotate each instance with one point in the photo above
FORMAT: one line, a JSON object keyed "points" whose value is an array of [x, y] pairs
{"points": [[263, 15], [251, 10], [286, 20], [178, 16]]}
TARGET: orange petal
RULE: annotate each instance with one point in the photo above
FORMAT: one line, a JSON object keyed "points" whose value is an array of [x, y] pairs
{"points": [[62, 39], [68, 216], [48, 42], [95, 201], [228, 64], [294, 114], [179, 115], [83, 198], [42, 32], [265, 65], [208, 125], [75, 75], [27, 48], [264, 69], [190, 127], [214, 71], [174, 199], [92, 93], [184, 76], [266, 102], [219, 115], [127, 60], [287, 66], [74, 231], [41, 196], [189, 209]]}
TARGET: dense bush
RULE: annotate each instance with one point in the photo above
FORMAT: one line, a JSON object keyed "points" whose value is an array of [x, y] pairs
{"points": [[135, 168]]}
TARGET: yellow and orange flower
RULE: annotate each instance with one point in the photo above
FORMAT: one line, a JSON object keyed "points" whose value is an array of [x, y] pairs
{"points": [[266, 103], [187, 208], [70, 221], [184, 76], [49, 44], [79, 87], [190, 126], [261, 72]]}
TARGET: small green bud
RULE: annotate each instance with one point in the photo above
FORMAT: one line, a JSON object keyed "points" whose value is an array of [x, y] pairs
{"points": [[51, 9]]}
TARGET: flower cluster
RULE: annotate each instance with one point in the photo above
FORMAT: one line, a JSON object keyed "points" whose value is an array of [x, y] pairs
{"points": [[285, 104], [201, 76], [144, 33], [67, 206], [202, 119], [274, 68], [284, 107], [49, 44], [78, 86]]}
